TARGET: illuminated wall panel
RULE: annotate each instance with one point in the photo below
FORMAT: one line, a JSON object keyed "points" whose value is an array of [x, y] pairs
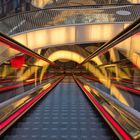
{"points": [[49, 37], [22, 38], [124, 47], [135, 44], [37, 38], [134, 1], [62, 35], [40, 3], [97, 33]]}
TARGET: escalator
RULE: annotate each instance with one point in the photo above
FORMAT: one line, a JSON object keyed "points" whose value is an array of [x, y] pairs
{"points": [[65, 113]]}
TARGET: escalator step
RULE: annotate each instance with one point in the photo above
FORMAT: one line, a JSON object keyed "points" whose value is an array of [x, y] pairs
{"points": [[64, 114]]}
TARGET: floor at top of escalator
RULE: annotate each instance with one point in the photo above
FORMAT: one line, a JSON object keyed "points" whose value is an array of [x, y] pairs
{"points": [[68, 79], [64, 114]]}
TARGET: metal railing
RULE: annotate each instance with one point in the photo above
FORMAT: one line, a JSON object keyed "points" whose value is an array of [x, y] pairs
{"points": [[68, 15], [127, 118], [18, 46], [129, 31]]}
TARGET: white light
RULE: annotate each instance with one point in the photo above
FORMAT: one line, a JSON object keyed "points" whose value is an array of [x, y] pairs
{"points": [[123, 13], [49, 37]]}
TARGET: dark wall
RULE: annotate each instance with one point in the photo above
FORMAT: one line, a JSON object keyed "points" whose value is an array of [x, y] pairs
{"points": [[9, 7]]}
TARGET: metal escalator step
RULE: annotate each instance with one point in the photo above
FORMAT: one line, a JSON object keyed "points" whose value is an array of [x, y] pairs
{"points": [[64, 114]]}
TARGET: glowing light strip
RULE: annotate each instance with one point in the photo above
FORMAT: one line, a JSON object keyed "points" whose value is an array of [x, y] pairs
{"points": [[91, 78], [127, 88], [25, 50], [15, 86], [21, 84], [4, 81], [26, 106], [113, 79], [130, 82], [118, 128], [116, 85]]}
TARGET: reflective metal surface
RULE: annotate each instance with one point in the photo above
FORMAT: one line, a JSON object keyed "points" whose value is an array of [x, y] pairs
{"points": [[70, 15], [116, 69], [64, 113], [16, 6], [52, 3], [19, 69], [130, 125], [112, 76], [10, 105]]}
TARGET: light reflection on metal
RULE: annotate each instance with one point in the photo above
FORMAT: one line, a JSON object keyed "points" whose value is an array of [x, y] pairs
{"points": [[6, 52], [87, 88], [125, 34], [66, 16], [123, 97], [91, 90], [40, 3], [134, 1], [21, 107], [28, 73], [98, 103], [46, 86], [63, 54], [21, 48], [21, 101], [69, 55], [97, 60]]}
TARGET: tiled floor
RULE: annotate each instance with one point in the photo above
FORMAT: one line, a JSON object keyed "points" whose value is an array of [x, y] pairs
{"points": [[64, 114]]}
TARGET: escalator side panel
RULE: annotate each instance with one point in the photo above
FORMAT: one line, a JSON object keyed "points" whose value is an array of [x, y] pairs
{"points": [[64, 114]]}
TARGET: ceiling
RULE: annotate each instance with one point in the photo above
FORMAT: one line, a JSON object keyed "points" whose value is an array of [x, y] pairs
{"points": [[54, 3]]}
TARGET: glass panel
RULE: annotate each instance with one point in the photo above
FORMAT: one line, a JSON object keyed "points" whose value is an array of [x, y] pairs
{"points": [[117, 71], [117, 112], [6, 52], [20, 73]]}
